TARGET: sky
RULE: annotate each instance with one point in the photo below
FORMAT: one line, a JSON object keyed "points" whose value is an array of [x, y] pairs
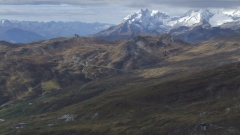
{"points": [[104, 11]]}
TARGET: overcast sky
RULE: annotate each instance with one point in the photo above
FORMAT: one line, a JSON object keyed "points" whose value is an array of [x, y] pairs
{"points": [[107, 11]]}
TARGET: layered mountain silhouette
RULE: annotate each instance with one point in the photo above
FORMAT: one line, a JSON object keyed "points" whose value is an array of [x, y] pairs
{"points": [[15, 35], [29, 31]]}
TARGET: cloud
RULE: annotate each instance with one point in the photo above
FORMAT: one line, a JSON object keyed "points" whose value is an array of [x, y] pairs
{"points": [[131, 3], [53, 2], [201, 3], [183, 3]]}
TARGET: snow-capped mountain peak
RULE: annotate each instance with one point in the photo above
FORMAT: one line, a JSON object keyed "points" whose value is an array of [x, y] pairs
{"points": [[222, 16], [232, 13], [147, 20], [153, 22], [144, 15], [192, 18], [236, 13]]}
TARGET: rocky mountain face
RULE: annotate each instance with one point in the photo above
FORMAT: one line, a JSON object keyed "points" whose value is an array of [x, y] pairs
{"points": [[143, 22], [45, 30], [152, 22]]}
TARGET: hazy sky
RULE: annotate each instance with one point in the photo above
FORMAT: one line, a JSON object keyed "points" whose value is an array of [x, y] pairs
{"points": [[108, 11]]}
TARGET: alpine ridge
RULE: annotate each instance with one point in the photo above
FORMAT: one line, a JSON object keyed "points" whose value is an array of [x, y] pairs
{"points": [[153, 22]]}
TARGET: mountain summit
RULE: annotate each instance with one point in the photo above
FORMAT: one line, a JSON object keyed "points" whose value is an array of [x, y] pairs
{"points": [[143, 22], [153, 22], [147, 19]]}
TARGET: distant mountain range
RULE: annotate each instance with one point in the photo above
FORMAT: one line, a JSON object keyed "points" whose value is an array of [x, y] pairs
{"points": [[153, 22], [29, 31], [194, 26]]}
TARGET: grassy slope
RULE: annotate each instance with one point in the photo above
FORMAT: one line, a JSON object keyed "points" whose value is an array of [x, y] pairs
{"points": [[33, 69], [170, 98], [140, 106]]}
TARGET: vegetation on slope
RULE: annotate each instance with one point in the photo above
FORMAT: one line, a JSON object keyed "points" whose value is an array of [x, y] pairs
{"points": [[171, 96], [26, 69]]}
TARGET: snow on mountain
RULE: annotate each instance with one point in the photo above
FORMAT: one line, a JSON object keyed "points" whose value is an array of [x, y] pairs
{"points": [[220, 18], [148, 20], [191, 18], [143, 22], [153, 19], [233, 13], [153, 22], [147, 15]]}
